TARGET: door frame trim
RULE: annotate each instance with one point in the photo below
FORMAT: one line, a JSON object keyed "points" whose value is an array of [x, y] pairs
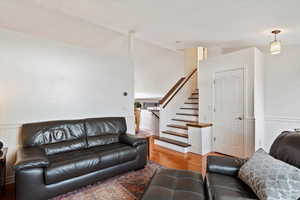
{"points": [[245, 102]]}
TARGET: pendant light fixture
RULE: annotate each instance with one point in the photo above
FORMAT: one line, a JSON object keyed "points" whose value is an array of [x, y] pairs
{"points": [[275, 46]]}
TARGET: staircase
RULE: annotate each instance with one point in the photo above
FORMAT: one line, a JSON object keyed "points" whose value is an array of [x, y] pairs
{"points": [[175, 134]]}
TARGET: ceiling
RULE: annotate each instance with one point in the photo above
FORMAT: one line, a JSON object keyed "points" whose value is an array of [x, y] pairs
{"points": [[224, 23]]}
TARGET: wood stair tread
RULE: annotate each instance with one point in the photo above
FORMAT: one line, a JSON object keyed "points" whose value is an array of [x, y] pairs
{"points": [[176, 134], [182, 144], [195, 103], [187, 114], [200, 125], [183, 120], [189, 108], [193, 98], [177, 126], [195, 93]]}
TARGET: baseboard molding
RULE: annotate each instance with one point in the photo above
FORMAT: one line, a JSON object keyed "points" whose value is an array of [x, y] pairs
{"points": [[10, 180]]}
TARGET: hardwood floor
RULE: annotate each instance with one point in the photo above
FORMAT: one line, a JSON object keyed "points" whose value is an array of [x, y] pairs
{"points": [[176, 160], [160, 155]]}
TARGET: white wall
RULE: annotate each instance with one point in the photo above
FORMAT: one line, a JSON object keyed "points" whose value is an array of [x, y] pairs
{"points": [[156, 69], [213, 51], [282, 92], [43, 79], [149, 122], [208, 67], [240, 59], [259, 100], [46, 80], [190, 60], [55, 66], [58, 69]]}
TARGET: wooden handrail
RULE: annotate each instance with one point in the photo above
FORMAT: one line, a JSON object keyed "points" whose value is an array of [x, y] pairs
{"points": [[179, 88], [170, 92], [154, 114]]}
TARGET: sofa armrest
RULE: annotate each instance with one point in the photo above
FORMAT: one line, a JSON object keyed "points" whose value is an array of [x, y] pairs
{"points": [[31, 157], [224, 165], [132, 140]]}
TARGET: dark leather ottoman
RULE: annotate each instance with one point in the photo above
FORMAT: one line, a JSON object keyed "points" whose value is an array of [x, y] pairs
{"points": [[170, 184]]}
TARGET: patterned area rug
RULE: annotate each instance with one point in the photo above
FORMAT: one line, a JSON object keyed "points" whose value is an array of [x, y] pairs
{"points": [[129, 186]]}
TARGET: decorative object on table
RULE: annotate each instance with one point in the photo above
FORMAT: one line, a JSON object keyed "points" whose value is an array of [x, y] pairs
{"points": [[1, 144], [3, 153], [270, 178], [137, 115], [129, 186]]}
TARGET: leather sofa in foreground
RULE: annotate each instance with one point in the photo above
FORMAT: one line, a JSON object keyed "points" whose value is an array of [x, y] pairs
{"points": [[222, 182], [59, 156]]}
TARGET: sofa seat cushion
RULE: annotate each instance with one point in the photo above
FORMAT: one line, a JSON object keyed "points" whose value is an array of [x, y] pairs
{"points": [[171, 184], [77, 163], [71, 164], [114, 154], [225, 187]]}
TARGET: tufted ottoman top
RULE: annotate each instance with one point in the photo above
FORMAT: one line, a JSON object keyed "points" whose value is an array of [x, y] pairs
{"points": [[171, 184]]}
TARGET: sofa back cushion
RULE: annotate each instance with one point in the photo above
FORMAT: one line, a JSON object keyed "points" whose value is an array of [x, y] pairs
{"points": [[55, 136], [101, 131], [286, 148]]}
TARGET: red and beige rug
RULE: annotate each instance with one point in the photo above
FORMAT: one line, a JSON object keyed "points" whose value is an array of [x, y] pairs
{"points": [[129, 186]]}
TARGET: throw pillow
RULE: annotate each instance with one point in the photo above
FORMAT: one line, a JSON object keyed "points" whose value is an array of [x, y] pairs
{"points": [[269, 178]]}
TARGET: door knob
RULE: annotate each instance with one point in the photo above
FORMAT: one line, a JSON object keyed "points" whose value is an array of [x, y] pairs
{"points": [[239, 118]]}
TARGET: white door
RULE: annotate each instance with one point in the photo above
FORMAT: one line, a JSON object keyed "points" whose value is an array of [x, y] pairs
{"points": [[228, 129]]}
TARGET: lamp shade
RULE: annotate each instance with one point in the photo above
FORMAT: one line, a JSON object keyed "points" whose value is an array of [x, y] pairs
{"points": [[275, 47]]}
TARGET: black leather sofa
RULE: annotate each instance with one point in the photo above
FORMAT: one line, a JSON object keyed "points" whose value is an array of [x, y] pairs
{"points": [[222, 183], [59, 156]]}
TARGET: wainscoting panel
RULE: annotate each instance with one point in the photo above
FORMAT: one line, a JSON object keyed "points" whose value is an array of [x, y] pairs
{"points": [[249, 136], [275, 125]]}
